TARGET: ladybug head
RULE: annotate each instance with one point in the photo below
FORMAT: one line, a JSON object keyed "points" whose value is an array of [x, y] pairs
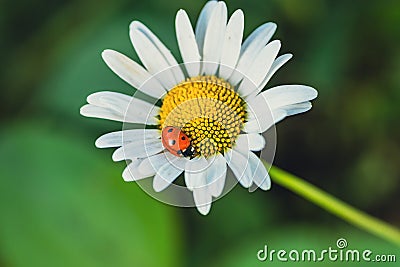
{"points": [[188, 152]]}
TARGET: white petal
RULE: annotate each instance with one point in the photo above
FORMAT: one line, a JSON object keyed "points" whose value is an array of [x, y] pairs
{"points": [[152, 57], [133, 73], [120, 138], [177, 71], [166, 174], [196, 181], [258, 107], [261, 121], [252, 141], [153, 163], [100, 112], [276, 99], [202, 199], [279, 62], [202, 23], [195, 171], [113, 100], [141, 149], [297, 108], [251, 48], [140, 111], [131, 172], [232, 43], [239, 166], [187, 43], [260, 117], [259, 37], [257, 71], [213, 39], [177, 162], [284, 95], [120, 107], [216, 175], [259, 172]]}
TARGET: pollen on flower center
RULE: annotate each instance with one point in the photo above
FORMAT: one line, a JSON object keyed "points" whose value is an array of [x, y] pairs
{"points": [[207, 110]]}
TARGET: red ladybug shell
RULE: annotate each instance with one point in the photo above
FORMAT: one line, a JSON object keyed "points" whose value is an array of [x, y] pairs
{"points": [[175, 141]]}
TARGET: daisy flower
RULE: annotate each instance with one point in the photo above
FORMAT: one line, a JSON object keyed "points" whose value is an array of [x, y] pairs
{"points": [[203, 115]]}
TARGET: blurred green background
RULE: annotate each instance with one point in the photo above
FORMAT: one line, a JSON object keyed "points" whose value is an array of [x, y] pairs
{"points": [[63, 202]]}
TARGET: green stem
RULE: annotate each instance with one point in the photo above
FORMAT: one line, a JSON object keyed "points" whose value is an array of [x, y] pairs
{"points": [[334, 205]]}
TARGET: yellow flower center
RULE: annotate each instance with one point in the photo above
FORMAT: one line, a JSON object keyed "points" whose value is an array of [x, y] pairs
{"points": [[207, 110]]}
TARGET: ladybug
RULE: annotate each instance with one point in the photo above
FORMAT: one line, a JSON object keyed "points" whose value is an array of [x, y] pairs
{"points": [[177, 142]]}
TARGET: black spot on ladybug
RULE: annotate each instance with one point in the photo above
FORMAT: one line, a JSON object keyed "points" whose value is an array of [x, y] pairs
{"points": [[179, 152], [170, 130], [183, 138]]}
